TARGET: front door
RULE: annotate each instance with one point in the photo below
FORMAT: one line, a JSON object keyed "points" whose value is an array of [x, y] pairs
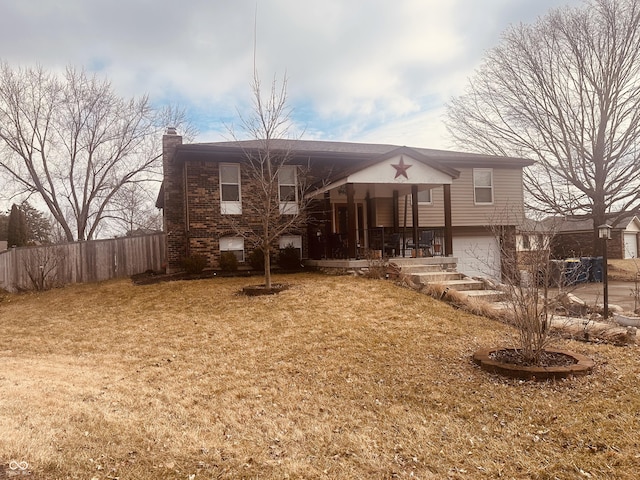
{"points": [[341, 220]]}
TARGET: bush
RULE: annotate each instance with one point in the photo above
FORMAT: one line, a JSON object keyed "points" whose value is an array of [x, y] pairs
{"points": [[228, 262], [256, 259], [194, 263], [289, 258]]}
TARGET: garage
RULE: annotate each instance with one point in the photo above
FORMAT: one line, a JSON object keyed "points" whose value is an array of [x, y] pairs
{"points": [[630, 245], [478, 256]]}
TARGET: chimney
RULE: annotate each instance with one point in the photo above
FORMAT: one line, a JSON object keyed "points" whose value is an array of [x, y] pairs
{"points": [[173, 192]]}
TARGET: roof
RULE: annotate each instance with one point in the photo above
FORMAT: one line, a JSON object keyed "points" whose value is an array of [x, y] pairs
{"points": [[347, 150], [584, 223]]}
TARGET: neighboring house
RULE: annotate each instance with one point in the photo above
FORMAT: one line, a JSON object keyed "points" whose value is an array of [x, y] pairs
{"points": [[532, 236], [364, 197], [574, 238], [3, 245]]}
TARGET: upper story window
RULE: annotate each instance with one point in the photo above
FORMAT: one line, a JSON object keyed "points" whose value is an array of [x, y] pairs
{"points": [[483, 185], [230, 200], [424, 197], [288, 189]]}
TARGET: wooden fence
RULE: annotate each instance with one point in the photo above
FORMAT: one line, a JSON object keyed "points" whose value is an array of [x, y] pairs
{"points": [[91, 261]]}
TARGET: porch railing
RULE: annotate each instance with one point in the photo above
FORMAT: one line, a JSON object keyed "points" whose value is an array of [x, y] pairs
{"points": [[385, 242]]}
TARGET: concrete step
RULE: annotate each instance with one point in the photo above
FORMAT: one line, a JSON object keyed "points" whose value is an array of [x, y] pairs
{"points": [[435, 277], [485, 295], [463, 284], [411, 269], [447, 277]]}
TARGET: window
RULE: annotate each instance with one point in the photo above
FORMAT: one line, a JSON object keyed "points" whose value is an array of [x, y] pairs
{"points": [[294, 241], [483, 185], [234, 245], [230, 202], [424, 196], [288, 189]]}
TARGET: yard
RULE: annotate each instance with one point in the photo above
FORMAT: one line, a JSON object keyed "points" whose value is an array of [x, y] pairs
{"points": [[336, 378]]}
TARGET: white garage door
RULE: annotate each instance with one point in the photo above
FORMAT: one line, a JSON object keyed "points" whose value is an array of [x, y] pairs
{"points": [[477, 256], [630, 245]]}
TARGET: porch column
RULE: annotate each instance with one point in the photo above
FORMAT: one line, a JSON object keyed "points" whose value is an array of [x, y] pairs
{"points": [[328, 231], [395, 209], [448, 229], [414, 215], [352, 224]]}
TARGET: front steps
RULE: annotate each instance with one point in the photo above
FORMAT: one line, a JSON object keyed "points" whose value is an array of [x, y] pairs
{"points": [[448, 277]]}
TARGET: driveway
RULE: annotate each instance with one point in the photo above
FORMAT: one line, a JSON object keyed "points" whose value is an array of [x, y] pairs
{"points": [[620, 293]]}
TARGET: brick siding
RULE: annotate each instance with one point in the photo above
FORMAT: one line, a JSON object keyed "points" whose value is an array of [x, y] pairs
{"points": [[204, 220]]}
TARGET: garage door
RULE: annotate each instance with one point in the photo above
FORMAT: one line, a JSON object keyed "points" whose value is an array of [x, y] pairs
{"points": [[630, 245], [477, 256]]}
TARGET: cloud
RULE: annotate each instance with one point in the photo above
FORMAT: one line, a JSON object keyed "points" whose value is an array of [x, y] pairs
{"points": [[369, 70]]}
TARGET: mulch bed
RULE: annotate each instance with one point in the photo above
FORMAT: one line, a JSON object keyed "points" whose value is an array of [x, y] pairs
{"points": [[555, 364], [547, 358], [150, 277], [257, 290]]}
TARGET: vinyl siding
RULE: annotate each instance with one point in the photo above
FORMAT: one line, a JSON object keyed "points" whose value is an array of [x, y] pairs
{"points": [[507, 207]]}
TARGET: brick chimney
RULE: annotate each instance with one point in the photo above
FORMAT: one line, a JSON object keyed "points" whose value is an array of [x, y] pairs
{"points": [[173, 186]]}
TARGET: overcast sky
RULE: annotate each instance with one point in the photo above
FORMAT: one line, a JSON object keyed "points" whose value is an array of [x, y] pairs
{"points": [[358, 70]]}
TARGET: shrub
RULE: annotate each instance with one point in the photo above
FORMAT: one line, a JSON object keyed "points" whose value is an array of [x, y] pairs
{"points": [[289, 258], [377, 266], [194, 263], [256, 259], [228, 262]]}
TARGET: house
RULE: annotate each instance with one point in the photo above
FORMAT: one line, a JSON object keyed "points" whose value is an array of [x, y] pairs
{"points": [[396, 201], [533, 239], [574, 237]]}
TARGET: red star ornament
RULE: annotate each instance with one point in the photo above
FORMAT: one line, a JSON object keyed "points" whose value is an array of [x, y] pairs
{"points": [[401, 169]]}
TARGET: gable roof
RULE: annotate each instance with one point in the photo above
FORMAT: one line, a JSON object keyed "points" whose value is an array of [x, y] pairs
{"points": [[410, 152]]}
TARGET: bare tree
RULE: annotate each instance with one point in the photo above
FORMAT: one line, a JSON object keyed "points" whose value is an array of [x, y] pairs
{"points": [[278, 203], [564, 91], [41, 265], [75, 143], [133, 208]]}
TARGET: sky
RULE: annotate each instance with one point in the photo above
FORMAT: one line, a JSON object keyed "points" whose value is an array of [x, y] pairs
{"points": [[378, 71]]}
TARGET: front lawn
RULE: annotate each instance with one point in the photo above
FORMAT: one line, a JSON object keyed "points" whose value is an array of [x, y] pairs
{"points": [[336, 378]]}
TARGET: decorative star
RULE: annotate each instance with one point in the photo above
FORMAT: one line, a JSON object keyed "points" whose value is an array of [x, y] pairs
{"points": [[401, 169]]}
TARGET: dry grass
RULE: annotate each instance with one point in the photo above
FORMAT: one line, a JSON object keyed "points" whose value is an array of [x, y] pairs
{"points": [[625, 270], [335, 378]]}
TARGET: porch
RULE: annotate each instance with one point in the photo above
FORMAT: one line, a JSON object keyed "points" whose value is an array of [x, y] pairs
{"points": [[373, 211], [382, 242]]}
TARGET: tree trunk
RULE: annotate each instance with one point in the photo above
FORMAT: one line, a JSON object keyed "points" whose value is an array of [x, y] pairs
{"points": [[267, 267]]}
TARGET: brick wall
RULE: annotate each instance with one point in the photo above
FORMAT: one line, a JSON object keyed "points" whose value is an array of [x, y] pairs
{"points": [[201, 214], [173, 210], [580, 244]]}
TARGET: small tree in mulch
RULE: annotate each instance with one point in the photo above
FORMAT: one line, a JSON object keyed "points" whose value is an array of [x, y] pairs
{"points": [[527, 277], [275, 193]]}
